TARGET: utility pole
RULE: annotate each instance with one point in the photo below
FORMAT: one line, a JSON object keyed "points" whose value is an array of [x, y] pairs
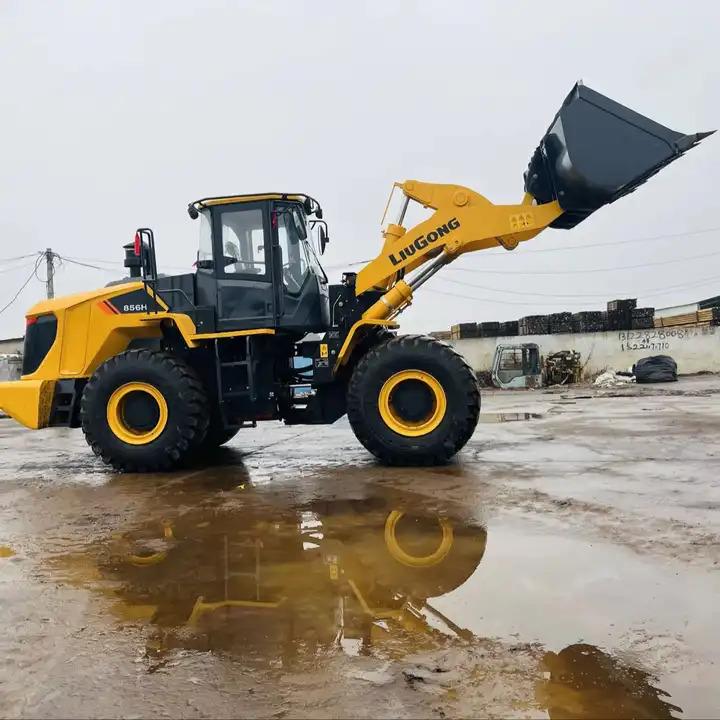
{"points": [[49, 257]]}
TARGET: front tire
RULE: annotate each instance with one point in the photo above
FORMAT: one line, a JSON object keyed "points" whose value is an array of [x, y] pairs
{"points": [[144, 411], [413, 400]]}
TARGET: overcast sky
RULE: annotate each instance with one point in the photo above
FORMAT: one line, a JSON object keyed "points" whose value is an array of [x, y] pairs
{"points": [[116, 115]]}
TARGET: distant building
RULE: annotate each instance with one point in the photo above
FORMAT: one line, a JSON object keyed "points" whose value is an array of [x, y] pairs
{"points": [[9, 346], [687, 308], [10, 360], [710, 302], [676, 310]]}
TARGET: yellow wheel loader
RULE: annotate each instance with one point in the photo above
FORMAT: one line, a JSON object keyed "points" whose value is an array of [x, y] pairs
{"points": [[160, 369]]}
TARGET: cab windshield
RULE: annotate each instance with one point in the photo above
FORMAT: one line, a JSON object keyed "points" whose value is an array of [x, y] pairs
{"points": [[294, 248]]}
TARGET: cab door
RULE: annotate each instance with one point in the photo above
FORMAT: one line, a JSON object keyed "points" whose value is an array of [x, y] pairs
{"points": [[301, 284], [243, 267]]}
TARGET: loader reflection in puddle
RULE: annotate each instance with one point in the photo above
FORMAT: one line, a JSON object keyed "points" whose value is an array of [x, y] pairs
{"points": [[285, 584], [244, 571]]}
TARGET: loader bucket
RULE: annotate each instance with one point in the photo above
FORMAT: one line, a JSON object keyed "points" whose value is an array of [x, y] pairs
{"points": [[596, 151]]}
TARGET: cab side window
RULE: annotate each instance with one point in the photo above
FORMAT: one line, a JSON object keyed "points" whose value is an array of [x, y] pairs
{"points": [[243, 242]]}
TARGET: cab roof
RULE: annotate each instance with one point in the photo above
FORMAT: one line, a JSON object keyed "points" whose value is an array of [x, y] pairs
{"points": [[231, 199]]}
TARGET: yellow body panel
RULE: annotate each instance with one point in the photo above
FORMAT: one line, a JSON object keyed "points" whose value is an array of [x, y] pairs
{"points": [[28, 401], [89, 333], [353, 337], [231, 333]]}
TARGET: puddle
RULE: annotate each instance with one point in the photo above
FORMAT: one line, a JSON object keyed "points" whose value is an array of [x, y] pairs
{"points": [[282, 583], [508, 417]]}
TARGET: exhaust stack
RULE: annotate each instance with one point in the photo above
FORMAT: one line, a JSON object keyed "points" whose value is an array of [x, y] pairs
{"points": [[596, 151]]}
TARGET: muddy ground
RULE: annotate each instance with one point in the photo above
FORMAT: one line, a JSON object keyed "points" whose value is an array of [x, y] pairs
{"points": [[566, 565]]}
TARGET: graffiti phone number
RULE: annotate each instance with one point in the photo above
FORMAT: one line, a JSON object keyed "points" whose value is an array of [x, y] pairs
{"points": [[659, 338], [644, 345]]}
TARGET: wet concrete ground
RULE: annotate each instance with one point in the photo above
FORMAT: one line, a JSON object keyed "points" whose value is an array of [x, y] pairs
{"points": [[566, 565]]}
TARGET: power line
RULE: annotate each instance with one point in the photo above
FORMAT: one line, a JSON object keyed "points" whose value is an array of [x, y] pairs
{"points": [[19, 257], [591, 270], [17, 267], [96, 260], [504, 253], [88, 265], [531, 303], [23, 286], [641, 293], [120, 262], [666, 236], [351, 264], [497, 301]]}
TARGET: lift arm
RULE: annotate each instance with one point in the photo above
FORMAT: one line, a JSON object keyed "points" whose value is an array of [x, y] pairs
{"points": [[463, 221], [594, 152]]}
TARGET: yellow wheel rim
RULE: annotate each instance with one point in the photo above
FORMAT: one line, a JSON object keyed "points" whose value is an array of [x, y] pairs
{"points": [[118, 422], [394, 419], [417, 561]]}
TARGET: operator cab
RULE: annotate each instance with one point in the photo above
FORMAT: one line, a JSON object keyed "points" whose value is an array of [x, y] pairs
{"points": [[256, 263]]}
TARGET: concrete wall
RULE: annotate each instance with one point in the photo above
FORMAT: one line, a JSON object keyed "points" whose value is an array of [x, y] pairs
{"points": [[694, 348], [10, 367]]}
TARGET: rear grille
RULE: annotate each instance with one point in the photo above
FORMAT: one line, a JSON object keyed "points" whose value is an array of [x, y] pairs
{"points": [[39, 338]]}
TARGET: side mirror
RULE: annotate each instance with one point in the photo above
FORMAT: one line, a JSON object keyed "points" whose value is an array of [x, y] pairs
{"points": [[323, 238]]}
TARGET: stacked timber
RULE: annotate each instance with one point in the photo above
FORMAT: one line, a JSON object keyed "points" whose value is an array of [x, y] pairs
{"points": [[441, 334], [488, 329], [620, 313], [589, 321], [508, 328], [561, 322], [709, 316], [642, 318], [464, 330], [533, 325]]}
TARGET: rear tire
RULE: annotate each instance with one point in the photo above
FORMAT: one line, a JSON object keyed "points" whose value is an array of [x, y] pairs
{"points": [[144, 411], [412, 400]]}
